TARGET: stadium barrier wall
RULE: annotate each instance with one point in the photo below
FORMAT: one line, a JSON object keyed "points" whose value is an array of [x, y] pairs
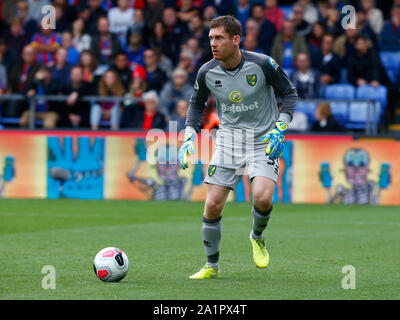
{"points": [[131, 165]]}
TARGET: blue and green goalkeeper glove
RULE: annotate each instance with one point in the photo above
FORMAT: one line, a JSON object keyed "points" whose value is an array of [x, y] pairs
{"points": [[186, 150], [276, 140]]}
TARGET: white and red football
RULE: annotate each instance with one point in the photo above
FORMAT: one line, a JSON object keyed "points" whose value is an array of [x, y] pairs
{"points": [[111, 264]]}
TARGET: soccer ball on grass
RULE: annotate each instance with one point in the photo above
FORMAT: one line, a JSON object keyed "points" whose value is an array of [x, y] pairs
{"points": [[111, 264]]}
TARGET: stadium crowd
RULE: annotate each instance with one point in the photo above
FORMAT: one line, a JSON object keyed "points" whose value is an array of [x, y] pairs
{"points": [[148, 53]]}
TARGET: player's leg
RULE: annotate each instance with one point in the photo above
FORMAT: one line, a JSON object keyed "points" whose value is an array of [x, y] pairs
{"points": [[262, 189], [212, 229]]}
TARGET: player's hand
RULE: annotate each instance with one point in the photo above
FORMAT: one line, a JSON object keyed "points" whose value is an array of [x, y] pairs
{"points": [[186, 149], [276, 140]]}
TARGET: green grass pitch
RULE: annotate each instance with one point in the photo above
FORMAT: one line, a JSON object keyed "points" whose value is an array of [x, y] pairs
{"points": [[308, 245]]}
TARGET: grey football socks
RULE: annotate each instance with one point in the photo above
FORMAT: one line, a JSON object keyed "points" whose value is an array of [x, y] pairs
{"points": [[211, 239], [260, 221]]}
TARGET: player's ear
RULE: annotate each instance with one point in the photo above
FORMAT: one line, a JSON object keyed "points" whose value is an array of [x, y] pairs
{"points": [[236, 39]]}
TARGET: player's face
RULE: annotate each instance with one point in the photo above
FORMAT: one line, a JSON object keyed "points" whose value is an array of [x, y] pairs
{"points": [[222, 45]]}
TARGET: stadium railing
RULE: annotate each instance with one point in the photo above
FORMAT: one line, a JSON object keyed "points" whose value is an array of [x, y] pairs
{"points": [[353, 114]]}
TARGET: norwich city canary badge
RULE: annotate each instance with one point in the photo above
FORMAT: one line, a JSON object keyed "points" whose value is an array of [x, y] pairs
{"points": [[211, 170], [251, 79]]}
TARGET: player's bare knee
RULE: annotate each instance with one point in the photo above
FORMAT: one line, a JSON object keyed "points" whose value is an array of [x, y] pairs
{"points": [[213, 208], [262, 199]]}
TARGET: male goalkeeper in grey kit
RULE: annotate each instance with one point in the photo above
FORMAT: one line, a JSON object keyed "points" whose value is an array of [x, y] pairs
{"points": [[252, 131]]}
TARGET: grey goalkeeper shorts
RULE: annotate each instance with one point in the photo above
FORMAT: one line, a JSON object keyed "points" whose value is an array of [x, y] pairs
{"points": [[227, 165]]}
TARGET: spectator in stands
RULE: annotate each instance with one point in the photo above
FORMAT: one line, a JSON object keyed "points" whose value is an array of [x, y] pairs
{"points": [[46, 42], [153, 12], [193, 45], [35, 9], [29, 25], [252, 27], [77, 110], [287, 45], [365, 28], [186, 63], [209, 13], [390, 36], [148, 117], [199, 31], [175, 34], [344, 45], [138, 22], [274, 14], [174, 90], [45, 110], [222, 7], [332, 22], [266, 32], [187, 11], [374, 15], [80, 39], [67, 43], [60, 72], [314, 40], [311, 14], [328, 62], [121, 18], [324, 120], [16, 37], [164, 62], [20, 78], [121, 67], [110, 85], [88, 63], [62, 21], [94, 12], [303, 28], [305, 78], [105, 45], [155, 76], [179, 114], [363, 67], [136, 48], [243, 12], [250, 43], [8, 57]]}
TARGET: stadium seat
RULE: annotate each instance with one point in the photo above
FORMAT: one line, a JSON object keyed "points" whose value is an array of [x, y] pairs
{"points": [[391, 62], [287, 10], [372, 93], [340, 111], [308, 107], [340, 91], [358, 115]]}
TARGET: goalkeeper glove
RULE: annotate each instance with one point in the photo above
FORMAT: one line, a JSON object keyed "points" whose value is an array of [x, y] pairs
{"points": [[276, 140], [186, 149]]}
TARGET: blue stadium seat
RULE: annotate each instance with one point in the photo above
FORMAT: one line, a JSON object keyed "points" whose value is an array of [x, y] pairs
{"points": [[287, 10], [358, 115], [340, 91], [340, 111], [307, 107], [372, 93], [391, 62]]}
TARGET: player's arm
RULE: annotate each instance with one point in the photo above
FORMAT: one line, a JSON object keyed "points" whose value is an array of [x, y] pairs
{"points": [[288, 93], [194, 117]]}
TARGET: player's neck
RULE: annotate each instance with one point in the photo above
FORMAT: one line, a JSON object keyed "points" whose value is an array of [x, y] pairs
{"points": [[233, 61]]}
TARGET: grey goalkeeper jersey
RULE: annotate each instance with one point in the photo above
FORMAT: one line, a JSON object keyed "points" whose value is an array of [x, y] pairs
{"points": [[245, 96]]}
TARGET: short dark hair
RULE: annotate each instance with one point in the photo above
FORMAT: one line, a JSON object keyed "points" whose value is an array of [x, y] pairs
{"points": [[231, 25]]}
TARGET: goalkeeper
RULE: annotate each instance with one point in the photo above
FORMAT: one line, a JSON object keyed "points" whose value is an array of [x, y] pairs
{"points": [[252, 131]]}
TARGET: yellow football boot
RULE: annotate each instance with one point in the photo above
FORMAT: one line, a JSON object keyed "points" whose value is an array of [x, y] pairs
{"points": [[260, 253], [206, 272]]}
